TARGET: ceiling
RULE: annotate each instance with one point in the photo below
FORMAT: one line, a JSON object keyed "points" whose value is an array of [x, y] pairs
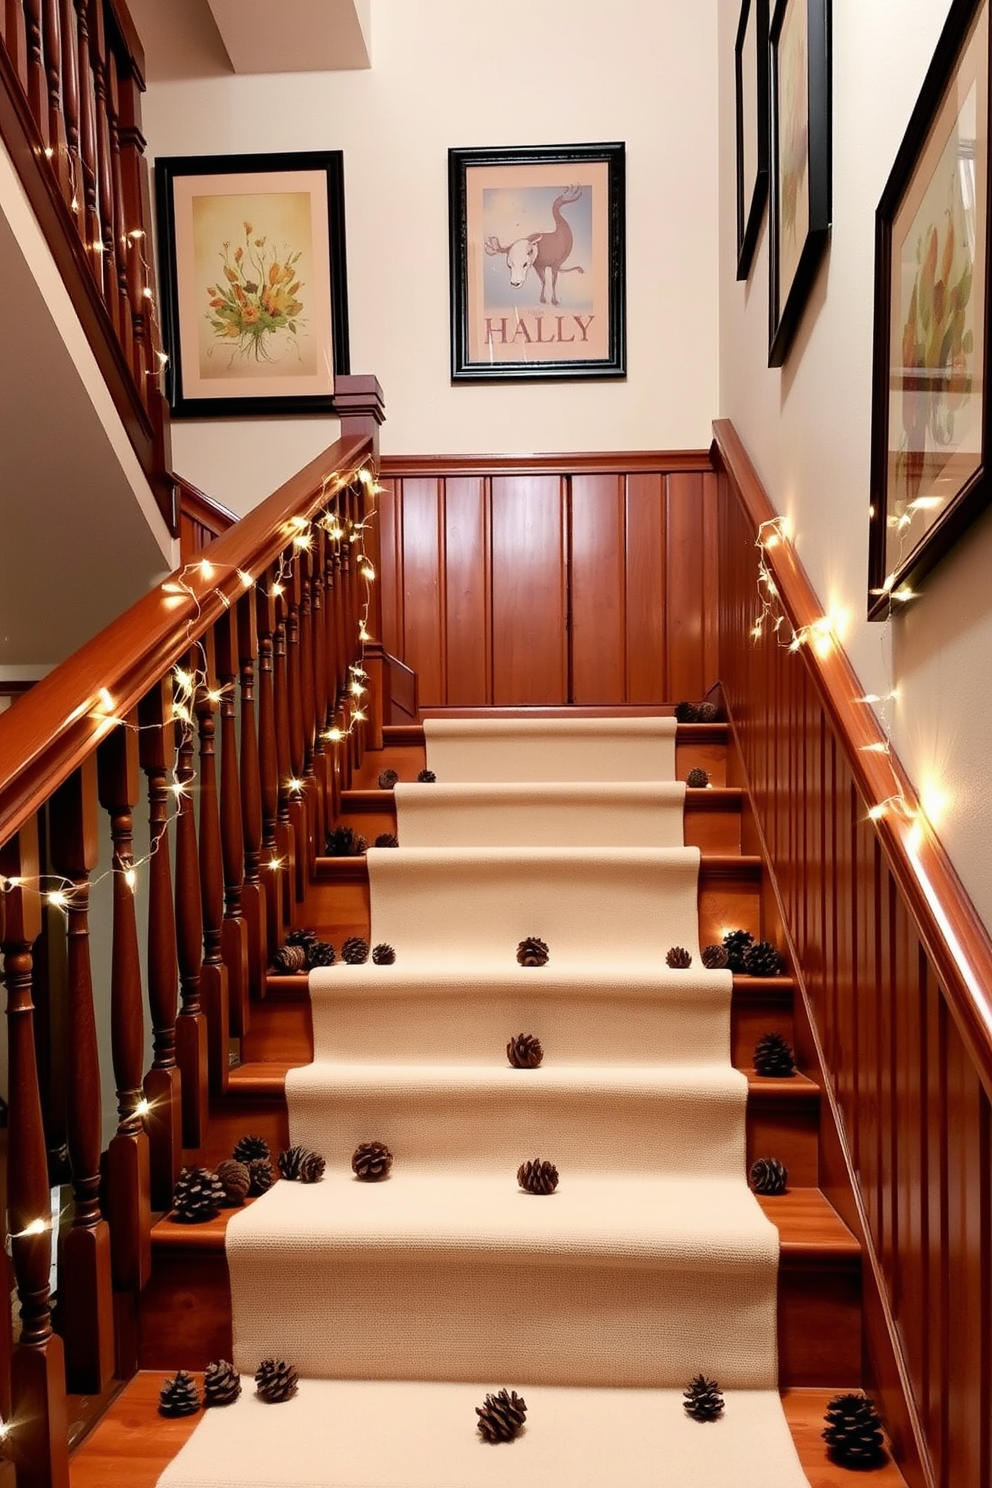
{"points": [[210, 38]]}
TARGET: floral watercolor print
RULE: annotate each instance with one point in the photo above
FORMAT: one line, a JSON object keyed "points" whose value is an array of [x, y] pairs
{"points": [[253, 271], [937, 315], [793, 143]]}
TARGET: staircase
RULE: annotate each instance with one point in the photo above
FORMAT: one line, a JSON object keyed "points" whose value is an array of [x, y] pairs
{"points": [[184, 1317]]}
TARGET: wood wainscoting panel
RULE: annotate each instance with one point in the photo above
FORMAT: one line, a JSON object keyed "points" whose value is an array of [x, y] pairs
{"points": [[598, 588], [467, 575], [645, 640], [529, 593]]}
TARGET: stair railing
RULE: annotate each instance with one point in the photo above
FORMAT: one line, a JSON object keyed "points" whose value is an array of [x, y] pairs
{"points": [[236, 687]]}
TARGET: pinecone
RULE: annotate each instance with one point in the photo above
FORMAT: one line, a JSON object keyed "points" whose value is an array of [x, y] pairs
{"points": [[198, 1196], [342, 842], [524, 1051], [301, 937], [853, 1432], [768, 1176], [715, 957], [736, 943], [538, 1177], [387, 839], [501, 1416], [383, 954], [697, 779], [762, 959], [355, 951], [221, 1383], [289, 959], [686, 712], [387, 779], [773, 1057], [275, 1381], [707, 712], [532, 952], [179, 1396], [426, 777], [704, 1399], [321, 953], [301, 1165], [678, 958], [261, 1176], [248, 1148], [235, 1179], [371, 1162]]}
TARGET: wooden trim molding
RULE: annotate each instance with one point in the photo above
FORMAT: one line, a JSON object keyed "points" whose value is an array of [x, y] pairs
{"points": [[609, 462]]}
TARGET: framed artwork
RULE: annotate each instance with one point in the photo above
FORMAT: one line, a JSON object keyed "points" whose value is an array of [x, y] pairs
{"points": [[751, 84], [930, 408], [799, 151], [537, 262], [254, 283]]}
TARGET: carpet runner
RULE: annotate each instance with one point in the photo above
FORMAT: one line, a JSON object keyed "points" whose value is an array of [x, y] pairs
{"points": [[403, 1303]]}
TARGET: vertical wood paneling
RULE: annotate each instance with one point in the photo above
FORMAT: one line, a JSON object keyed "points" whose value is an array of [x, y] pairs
{"points": [[423, 615], [468, 652], [684, 585], [598, 629], [528, 590], [646, 677]]}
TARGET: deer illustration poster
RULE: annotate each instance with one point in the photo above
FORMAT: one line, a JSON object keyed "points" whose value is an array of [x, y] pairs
{"points": [[541, 276]]}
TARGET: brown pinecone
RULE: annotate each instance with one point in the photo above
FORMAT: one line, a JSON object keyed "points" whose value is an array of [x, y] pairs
{"points": [[383, 954], [343, 842], [715, 957], [387, 779], [179, 1396], [762, 959], [301, 1165], [538, 1177], [301, 937], [261, 1176], [275, 1381], [321, 953], [532, 952], [773, 1057], [387, 839], [678, 958], [707, 712], [289, 959], [686, 712], [248, 1148], [524, 1051], [736, 943], [371, 1162], [853, 1432], [703, 1399], [221, 1383], [697, 779], [198, 1196], [312, 1168], [426, 777], [355, 951], [235, 1179], [768, 1176], [501, 1416]]}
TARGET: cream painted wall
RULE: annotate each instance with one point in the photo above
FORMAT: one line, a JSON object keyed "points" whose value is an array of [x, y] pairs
{"points": [[458, 73], [807, 428]]}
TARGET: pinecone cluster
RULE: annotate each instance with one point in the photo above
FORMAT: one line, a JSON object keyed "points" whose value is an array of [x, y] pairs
{"points": [[198, 1196], [678, 958], [501, 1416], [221, 1383], [735, 943], [703, 1399], [853, 1432], [302, 952], [371, 1162], [532, 952], [537, 1177], [697, 779], [762, 959], [773, 1057], [524, 1051], [715, 957], [355, 951], [300, 1165], [387, 779], [179, 1396], [383, 954], [426, 777], [387, 839], [704, 712], [275, 1381], [344, 842], [254, 1153], [768, 1176]]}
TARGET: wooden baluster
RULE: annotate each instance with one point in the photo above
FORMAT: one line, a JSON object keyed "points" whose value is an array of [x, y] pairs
{"points": [[318, 633], [49, 983], [127, 1173], [128, 146], [375, 654], [268, 764], [234, 931], [331, 664], [88, 165], [16, 38], [37, 86], [39, 1441], [253, 891], [57, 142], [103, 248], [350, 646], [309, 710], [285, 838], [296, 800], [191, 1025], [341, 633], [163, 1082], [213, 972], [86, 1308]]}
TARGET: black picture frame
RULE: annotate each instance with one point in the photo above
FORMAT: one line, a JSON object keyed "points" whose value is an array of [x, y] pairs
{"points": [[751, 99], [930, 426], [499, 200], [254, 284], [799, 118]]}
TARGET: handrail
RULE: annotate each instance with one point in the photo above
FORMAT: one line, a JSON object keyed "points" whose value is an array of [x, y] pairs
{"points": [[60, 721], [945, 918]]}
